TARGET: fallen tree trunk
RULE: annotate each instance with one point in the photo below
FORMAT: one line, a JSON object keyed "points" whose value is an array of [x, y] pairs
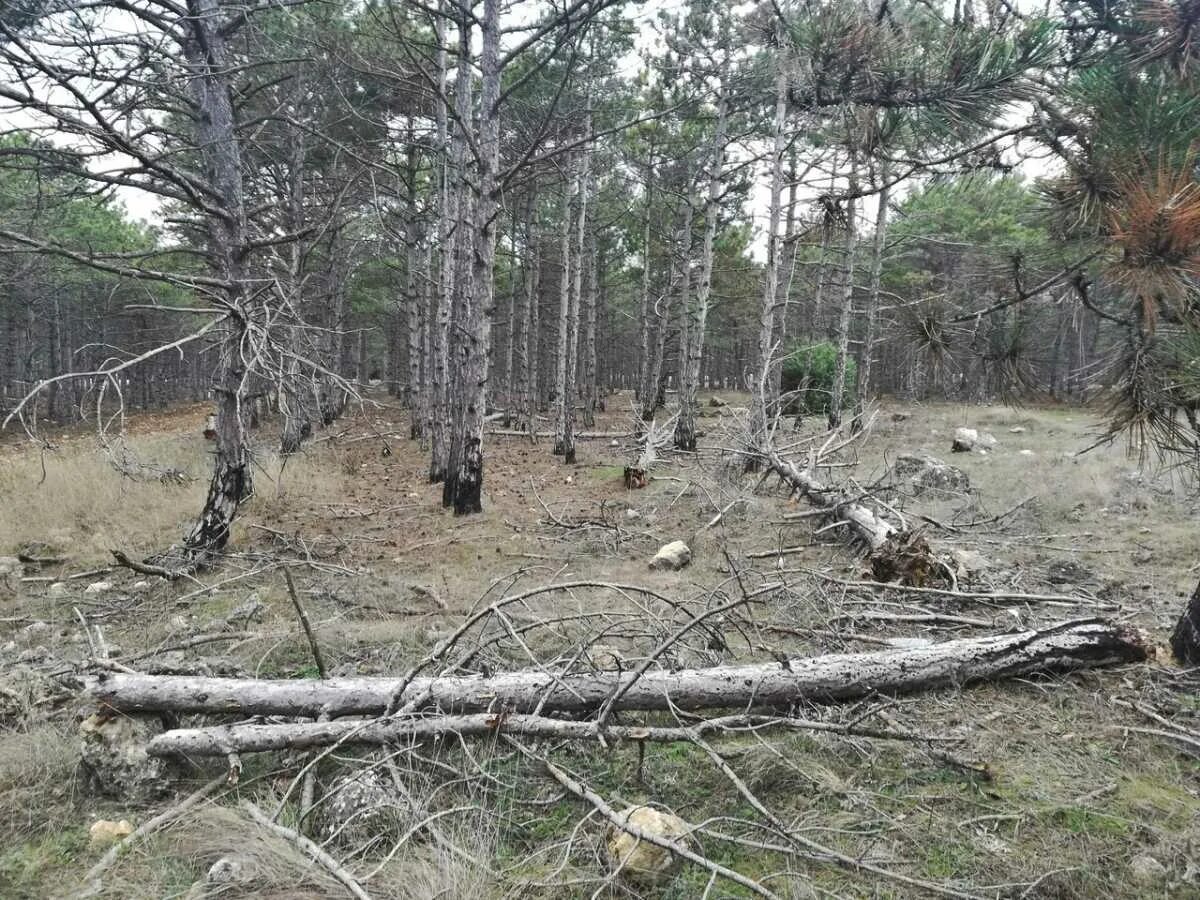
{"points": [[1061, 647], [256, 737], [867, 525]]}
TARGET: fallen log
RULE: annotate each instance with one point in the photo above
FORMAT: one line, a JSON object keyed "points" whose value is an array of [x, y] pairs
{"points": [[837, 677], [867, 525]]}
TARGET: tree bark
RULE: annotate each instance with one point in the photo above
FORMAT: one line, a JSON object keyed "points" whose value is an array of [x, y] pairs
{"points": [[568, 325], [1185, 641], [762, 401], [877, 248], [440, 313], [833, 678], [216, 136], [466, 484], [685, 425], [838, 389]]}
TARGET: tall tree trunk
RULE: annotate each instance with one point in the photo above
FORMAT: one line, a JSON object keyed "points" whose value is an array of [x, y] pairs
{"points": [[837, 391], [533, 344], [590, 391], [644, 395], [564, 389], [465, 485], [216, 136], [877, 247], [685, 426], [655, 385], [762, 403], [448, 237]]}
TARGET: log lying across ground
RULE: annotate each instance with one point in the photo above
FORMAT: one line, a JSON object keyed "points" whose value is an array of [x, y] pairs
{"points": [[872, 528], [839, 677]]}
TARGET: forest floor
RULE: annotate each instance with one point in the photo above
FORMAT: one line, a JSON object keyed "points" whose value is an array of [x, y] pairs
{"points": [[1051, 789]]}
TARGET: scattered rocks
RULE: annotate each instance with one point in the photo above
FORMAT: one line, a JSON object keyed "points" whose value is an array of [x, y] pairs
{"points": [[928, 473], [1145, 869], [638, 860], [115, 759], [674, 556], [98, 587], [964, 440], [105, 832]]}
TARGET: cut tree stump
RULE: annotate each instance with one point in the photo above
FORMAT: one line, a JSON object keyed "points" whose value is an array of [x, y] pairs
{"points": [[838, 677]]}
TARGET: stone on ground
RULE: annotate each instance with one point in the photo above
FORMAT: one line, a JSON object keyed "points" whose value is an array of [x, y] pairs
{"points": [[928, 473], [115, 759], [674, 556], [641, 861], [362, 807], [964, 440], [105, 832]]}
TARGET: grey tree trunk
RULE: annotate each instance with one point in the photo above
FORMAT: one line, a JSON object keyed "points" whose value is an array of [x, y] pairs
{"points": [[654, 389], [877, 247], [837, 677], [763, 402], [685, 425], [838, 390], [644, 395], [440, 313], [590, 392], [466, 483], [564, 437], [208, 68], [533, 346]]}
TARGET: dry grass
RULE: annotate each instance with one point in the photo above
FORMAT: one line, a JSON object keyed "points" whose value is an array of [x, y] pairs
{"points": [[1051, 743]]}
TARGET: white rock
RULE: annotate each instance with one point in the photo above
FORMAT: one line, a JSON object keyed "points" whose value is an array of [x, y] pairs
{"points": [[632, 514], [969, 560], [988, 440], [1145, 869], [1017, 429], [964, 439], [674, 555], [58, 589], [98, 587], [638, 860], [1027, 452], [233, 869], [570, 479], [614, 443], [105, 832], [140, 587]]}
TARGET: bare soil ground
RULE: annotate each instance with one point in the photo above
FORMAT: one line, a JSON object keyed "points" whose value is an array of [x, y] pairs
{"points": [[1048, 790]]}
